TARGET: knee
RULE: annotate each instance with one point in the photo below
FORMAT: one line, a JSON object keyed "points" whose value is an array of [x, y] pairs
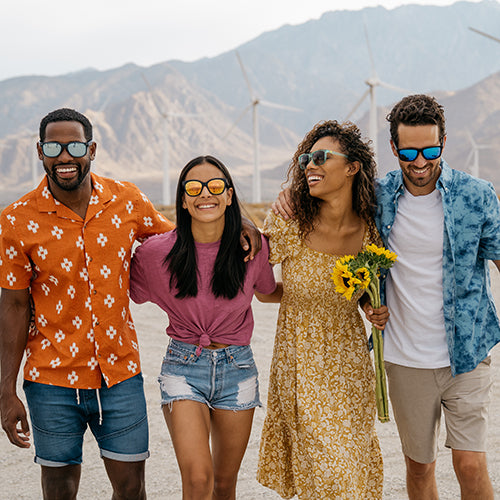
{"points": [[469, 468], [131, 488], [60, 490], [199, 483], [224, 488], [418, 471]]}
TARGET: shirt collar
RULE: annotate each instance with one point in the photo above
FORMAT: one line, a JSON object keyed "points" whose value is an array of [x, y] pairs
{"points": [[101, 194]]}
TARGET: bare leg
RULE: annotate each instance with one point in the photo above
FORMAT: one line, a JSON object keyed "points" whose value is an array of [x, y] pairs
{"points": [[230, 434], [189, 426], [60, 483], [127, 479], [421, 480], [472, 474]]}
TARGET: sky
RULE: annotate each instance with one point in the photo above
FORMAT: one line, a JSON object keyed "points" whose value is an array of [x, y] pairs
{"points": [[55, 37]]}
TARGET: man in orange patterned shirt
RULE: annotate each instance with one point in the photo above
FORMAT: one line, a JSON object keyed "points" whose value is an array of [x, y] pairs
{"points": [[65, 252]]}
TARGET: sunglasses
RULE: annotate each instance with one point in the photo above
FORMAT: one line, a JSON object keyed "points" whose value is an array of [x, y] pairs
{"points": [[76, 149], [214, 186], [430, 153], [317, 157]]}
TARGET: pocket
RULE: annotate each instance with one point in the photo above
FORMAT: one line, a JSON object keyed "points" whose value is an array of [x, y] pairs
{"points": [[242, 358]]}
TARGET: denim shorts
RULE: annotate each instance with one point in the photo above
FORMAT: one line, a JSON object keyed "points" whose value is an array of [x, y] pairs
{"points": [[116, 416], [224, 379]]}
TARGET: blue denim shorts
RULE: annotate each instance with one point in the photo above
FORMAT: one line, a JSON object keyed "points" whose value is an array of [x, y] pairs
{"points": [[225, 379], [116, 416]]}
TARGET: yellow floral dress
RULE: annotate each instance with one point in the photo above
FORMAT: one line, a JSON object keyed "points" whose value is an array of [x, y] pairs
{"points": [[318, 439]]}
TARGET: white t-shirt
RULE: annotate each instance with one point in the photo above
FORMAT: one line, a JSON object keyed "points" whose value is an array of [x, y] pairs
{"points": [[415, 334]]}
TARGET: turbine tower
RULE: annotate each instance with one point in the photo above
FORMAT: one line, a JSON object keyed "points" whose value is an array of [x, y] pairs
{"points": [[373, 82], [472, 162], [253, 105]]}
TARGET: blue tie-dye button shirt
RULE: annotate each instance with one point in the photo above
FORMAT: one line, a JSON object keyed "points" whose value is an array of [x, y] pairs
{"points": [[471, 238]]}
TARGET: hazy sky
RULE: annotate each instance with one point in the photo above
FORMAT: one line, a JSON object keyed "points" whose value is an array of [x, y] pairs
{"points": [[56, 36]]}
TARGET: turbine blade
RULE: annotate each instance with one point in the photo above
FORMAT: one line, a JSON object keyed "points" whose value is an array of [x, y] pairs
{"points": [[245, 76], [485, 34], [358, 104], [393, 87], [270, 104], [372, 60], [240, 116]]}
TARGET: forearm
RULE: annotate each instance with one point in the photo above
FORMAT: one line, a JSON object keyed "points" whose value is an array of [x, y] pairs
{"points": [[271, 297], [15, 313]]}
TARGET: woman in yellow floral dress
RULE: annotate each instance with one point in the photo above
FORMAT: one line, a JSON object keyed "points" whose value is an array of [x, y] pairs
{"points": [[319, 440]]}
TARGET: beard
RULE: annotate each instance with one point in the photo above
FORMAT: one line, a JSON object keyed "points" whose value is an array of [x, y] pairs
{"points": [[82, 170]]}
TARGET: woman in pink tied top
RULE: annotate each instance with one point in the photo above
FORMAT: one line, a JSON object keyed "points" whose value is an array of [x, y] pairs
{"points": [[198, 275]]}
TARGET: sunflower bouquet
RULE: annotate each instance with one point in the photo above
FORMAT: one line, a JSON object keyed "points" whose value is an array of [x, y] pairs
{"points": [[362, 272]]}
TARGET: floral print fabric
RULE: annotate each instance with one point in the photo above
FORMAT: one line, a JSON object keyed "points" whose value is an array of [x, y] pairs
{"points": [[318, 439]]}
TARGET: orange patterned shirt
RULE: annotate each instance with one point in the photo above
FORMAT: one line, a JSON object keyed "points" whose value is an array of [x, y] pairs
{"points": [[78, 274]]}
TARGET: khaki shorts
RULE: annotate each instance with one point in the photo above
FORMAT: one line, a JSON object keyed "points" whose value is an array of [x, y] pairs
{"points": [[418, 396]]}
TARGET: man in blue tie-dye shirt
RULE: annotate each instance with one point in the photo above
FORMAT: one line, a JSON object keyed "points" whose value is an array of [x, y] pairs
{"points": [[444, 225]]}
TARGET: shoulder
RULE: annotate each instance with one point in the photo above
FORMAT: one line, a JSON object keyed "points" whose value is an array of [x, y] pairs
{"points": [[20, 209], [158, 244]]}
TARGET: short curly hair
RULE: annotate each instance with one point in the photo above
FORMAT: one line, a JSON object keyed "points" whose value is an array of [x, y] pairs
{"points": [[417, 109], [66, 115], [351, 144]]}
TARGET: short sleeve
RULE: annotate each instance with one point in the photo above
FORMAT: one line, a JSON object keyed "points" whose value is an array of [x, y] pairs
{"points": [[15, 265], [264, 282], [139, 289], [283, 237], [489, 245], [151, 221]]}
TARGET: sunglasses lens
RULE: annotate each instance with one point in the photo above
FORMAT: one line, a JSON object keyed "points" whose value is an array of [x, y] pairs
{"points": [[432, 153], [304, 161], [407, 154], [77, 149], [216, 186], [319, 157], [193, 188], [51, 149]]}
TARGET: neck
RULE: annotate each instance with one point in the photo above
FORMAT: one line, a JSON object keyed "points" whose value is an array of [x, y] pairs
{"points": [[337, 211], [207, 232], [76, 200]]}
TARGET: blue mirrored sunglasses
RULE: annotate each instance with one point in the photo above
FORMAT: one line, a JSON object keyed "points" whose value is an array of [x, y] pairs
{"points": [[76, 149], [430, 153], [317, 157]]}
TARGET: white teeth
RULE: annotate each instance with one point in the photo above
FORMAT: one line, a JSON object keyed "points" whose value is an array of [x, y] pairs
{"points": [[66, 170], [206, 206], [314, 178]]}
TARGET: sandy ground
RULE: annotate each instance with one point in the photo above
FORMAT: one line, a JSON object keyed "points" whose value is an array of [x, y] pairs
{"points": [[19, 476]]}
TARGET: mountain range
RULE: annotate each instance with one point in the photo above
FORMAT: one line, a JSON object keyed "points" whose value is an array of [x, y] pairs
{"points": [[319, 67]]}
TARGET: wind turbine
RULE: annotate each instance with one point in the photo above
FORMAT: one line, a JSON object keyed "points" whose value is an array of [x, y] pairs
{"points": [[373, 81], [254, 102], [485, 34], [166, 198], [474, 155]]}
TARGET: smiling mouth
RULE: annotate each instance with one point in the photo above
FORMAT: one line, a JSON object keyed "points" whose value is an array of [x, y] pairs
{"points": [[206, 206], [313, 179]]}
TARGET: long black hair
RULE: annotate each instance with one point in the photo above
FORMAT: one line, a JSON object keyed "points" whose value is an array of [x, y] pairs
{"points": [[229, 267]]}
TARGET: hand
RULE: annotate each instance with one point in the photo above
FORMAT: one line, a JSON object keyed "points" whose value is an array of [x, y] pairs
{"points": [[14, 421], [377, 317], [250, 239], [282, 205]]}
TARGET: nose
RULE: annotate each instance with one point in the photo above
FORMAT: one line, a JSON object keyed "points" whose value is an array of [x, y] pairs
{"points": [[420, 160], [205, 192], [64, 156]]}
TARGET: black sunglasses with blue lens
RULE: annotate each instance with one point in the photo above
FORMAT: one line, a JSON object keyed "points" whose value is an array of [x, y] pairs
{"points": [[430, 153], [76, 149]]}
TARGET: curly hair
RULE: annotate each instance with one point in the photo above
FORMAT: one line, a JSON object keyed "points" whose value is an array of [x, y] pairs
{"points": [[417, 109], [351, 144]]}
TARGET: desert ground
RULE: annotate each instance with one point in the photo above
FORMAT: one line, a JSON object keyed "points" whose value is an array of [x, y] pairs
{"points": [[20, 477]]}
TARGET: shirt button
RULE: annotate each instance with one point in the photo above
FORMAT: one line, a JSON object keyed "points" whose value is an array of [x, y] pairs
{"points": [[94, 292], [97, 323], [389, 226]]}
